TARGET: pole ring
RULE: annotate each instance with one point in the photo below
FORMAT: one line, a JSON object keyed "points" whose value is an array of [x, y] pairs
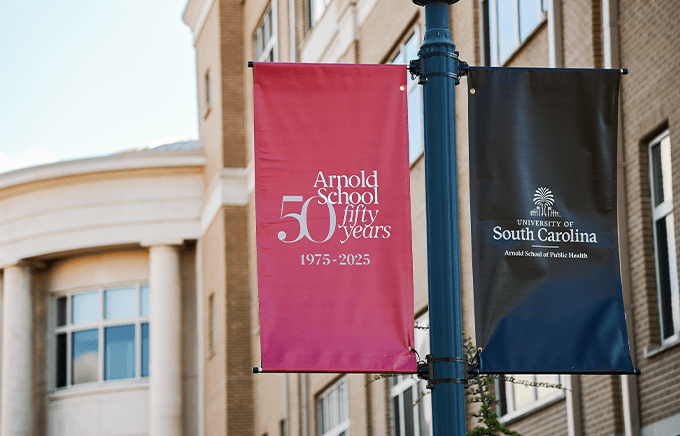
{"points": [[430, 54], [428, 75], [448, 359]]}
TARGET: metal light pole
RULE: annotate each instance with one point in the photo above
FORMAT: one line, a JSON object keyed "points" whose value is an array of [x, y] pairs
{"points": [[439, 68]]}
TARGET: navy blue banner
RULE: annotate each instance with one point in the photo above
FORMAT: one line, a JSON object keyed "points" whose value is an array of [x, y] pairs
{"points": [[544, 233]]}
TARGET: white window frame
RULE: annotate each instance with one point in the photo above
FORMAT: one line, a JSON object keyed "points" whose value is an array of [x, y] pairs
{"points": [[272, 44], [69, 328], [538, 403], [412, 86], [335, 395], [399, 384], [316, 9], [493, 43], [664, 211]]}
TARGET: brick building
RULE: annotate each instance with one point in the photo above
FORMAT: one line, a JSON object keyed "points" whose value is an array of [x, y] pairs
{"points": [[642, 37], [173, 229]]}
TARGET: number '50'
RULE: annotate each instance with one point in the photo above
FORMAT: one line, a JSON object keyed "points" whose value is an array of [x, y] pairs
{"points": [[302, 219]]}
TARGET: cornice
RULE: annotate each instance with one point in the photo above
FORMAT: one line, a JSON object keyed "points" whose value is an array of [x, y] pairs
{"points": [[195, 15], [119, 162]]}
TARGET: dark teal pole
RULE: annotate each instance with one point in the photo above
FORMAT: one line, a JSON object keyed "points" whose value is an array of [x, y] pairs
{"points": [[439, 68]]}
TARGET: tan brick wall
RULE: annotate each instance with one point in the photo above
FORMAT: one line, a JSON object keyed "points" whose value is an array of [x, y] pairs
{"points": [[214, 369], [577, 19], [601, 407], [650, 96], [537, 424], [269, 394], [234, 60], [228, 383], [238, 340], [384, 28], [534, 51], [351, 56], [190, 344], [209, 124], [651, 100]]}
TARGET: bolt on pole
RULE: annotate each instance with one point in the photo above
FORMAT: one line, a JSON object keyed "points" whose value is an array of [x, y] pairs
{"points": [[439, 74]]}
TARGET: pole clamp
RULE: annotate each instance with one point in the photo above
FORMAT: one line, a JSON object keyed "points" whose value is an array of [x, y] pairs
{"points": [[426, 370], [415, 67]]}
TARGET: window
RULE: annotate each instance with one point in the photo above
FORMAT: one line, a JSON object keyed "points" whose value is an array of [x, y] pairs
{"points": [[315, 9], [508, 23], [265, 41], [407, 52], [664, 237], [332, 408], [102, 335], [411, 411], [521, 397]]}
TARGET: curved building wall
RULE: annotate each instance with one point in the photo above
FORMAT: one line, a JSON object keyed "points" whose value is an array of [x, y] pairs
{"points": [[87, 230], [99, 202]]}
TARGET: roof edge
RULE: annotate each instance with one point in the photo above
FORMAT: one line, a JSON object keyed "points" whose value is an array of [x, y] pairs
{"points": [[102, 164]]}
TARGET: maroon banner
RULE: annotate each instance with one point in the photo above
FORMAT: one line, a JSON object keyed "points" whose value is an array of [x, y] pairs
{"points": [[333, 216]]}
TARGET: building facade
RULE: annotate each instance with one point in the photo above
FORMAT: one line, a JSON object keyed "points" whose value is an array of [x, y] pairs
{"points": [[129, 282], [542, 33], [99, 272]]}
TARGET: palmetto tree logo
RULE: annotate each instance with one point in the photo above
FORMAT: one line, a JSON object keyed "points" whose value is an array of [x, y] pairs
{"points": [[544, 200]]}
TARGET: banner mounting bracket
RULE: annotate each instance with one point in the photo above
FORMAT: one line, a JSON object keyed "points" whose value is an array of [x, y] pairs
{"points": [[426, 370]]}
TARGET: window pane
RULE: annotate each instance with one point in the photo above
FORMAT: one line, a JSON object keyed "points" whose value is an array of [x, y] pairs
{"points": [[325, 424], [664, 277], [333, 407], [318, 9], [121, 303], [507, 28], [666, 162], [259, 44], [61, 311], [61, 360], [343, 402], [408, 412], [415, 123], [396, 422], [85, 356], [424, 412], [119, 354], [657, 175], [145, 307], [145, 350], [85, 308], [524, 395], [411, 48], [528, 18], [267, 26], [503, 398], [487, 32]]}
